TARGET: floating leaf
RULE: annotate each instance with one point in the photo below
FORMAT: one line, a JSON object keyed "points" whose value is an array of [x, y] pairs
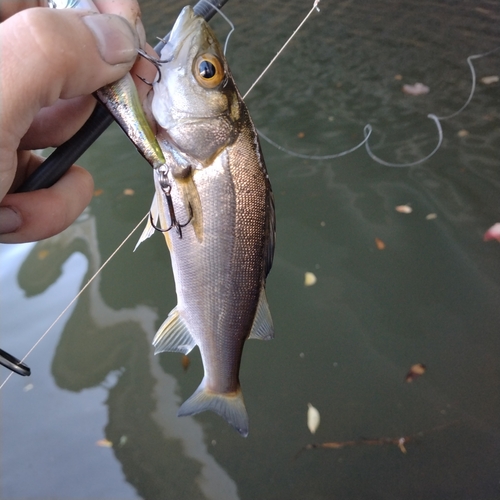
{"points": [[415, 372], [416, 89], [42, 254], [128, 192], [380, 244], [404, 209], [310, 279], [488, 80], [313, 418], [401, 444], [104, 443], [185, 361], [431, 216], [493, 233]]}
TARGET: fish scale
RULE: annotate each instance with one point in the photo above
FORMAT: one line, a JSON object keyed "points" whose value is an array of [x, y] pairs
{"points": [[217, 180]]}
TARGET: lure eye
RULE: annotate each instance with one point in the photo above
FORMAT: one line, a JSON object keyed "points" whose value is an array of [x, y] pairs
{"points": [[208, 71]]}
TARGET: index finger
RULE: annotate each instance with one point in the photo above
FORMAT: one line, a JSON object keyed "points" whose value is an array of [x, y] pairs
{"points": [[70, 53]]}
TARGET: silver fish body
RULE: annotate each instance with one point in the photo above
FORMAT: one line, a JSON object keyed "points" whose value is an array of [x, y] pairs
{"points": [[220, 191]]}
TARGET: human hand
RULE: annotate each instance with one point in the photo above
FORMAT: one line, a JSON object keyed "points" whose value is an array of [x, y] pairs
{"points": [[52, 60]]}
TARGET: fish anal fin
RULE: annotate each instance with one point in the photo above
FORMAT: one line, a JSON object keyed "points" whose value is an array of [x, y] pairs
{"points": [[173, 335], [262, 328], [230, 407]]}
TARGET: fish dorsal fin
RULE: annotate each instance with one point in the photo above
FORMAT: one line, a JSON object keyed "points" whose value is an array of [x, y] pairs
{"points": [[149, 229], [262, 328], [173, 335]]}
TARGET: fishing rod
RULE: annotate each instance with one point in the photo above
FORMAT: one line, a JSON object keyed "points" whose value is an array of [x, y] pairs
{"points": [[58, 163]]}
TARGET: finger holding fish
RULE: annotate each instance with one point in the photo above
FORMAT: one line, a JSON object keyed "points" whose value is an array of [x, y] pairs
{"points": [[121, 98]]}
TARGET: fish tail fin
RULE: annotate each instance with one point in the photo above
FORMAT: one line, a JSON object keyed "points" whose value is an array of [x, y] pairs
{"points": [[230, 407]]}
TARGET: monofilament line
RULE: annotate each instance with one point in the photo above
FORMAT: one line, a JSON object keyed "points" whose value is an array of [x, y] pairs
{"points": [[314, 7], [78, 294]]}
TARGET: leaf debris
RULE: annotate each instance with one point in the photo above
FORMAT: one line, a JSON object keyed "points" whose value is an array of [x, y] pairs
{"points": [[415, 371], [313, 418], [400, 442], [379, 244], [310, 279]]}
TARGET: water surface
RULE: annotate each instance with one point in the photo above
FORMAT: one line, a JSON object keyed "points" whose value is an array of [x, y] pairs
{"points": [[431, 296]]}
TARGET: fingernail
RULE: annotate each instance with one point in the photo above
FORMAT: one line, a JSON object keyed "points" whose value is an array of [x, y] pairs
{"points": [[10, 220], [116, 40]]}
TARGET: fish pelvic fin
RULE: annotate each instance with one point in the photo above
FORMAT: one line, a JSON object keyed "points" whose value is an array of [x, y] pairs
{"points": [[262, 328], [230, 407], [149, 229], [173, 335]]}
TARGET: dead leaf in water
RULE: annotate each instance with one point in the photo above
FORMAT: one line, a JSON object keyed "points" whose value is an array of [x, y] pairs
{"points": [[313, 418], [185, 361], [104, 443], [310, 279], [42, 254], [493, 233], [404, 209], [416, 89], [488, 80], [415, 371]]}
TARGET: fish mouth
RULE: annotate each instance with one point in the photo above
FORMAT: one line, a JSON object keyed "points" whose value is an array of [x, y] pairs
{"points": [[185, 24]]}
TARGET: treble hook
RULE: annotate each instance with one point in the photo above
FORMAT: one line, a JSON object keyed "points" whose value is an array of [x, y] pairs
{"points": [[167, 188], [155, 62]]}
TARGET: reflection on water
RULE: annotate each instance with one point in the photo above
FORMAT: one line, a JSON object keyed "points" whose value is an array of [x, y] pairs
{"points": [[345, 344], [89, 354]]}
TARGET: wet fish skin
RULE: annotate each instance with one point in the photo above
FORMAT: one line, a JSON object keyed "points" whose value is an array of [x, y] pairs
{"points": [[217, 173]]}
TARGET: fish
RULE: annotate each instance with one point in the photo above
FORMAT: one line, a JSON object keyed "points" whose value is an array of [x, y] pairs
{"points": [[214, 204], [122, 100]]}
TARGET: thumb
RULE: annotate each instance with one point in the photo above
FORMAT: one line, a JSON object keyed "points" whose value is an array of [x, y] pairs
{"points": [[49, 54]]}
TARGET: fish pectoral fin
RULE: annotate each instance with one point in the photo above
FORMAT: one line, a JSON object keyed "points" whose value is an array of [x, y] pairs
{"points": [[262, 328], [230, 407], [149, 229], [173, 335]]}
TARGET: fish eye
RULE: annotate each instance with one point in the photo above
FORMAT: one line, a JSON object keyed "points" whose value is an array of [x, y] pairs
{"points": [[208, 71]]}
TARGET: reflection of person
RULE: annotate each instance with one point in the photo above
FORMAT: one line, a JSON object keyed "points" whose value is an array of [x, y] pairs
{"points": [[52, 60]]}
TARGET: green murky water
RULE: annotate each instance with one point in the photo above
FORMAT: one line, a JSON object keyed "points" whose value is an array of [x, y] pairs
{"points": [[431, 296]]}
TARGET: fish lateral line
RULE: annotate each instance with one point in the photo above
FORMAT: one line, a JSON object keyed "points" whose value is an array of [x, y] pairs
{"points": [[150, 227]]}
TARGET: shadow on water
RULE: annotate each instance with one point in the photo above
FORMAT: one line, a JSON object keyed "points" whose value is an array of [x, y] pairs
{"points": [[431, 295]]}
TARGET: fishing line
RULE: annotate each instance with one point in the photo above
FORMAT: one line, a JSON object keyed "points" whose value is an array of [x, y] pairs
{"points": [[78, 294], [226, 19], [368, 129], [314, 7]]}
